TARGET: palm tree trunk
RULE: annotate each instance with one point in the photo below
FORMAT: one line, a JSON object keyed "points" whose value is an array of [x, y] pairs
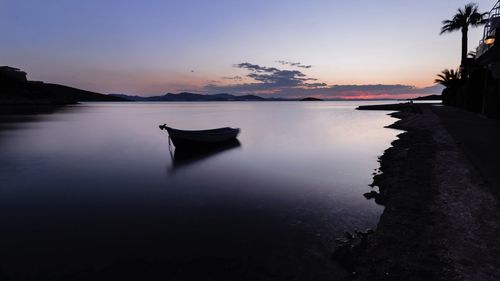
{"points": [[465, 30], [465, 70]]}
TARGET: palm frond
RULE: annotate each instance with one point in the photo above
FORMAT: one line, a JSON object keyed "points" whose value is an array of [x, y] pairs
{"points": [[448, 78], [468, 16], [449, 26]]}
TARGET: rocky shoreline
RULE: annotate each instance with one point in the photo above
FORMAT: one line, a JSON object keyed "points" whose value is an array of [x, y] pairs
{"points": [[439, 222]]}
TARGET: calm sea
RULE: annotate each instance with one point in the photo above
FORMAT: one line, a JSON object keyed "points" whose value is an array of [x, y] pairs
{"points": [[93, 191]]}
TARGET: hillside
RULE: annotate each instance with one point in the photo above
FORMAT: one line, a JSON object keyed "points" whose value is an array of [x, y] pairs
{"points": [[192, 97], [15, 89]]}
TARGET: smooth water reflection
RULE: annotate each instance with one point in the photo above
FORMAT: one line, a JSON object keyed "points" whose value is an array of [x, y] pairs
{"points": [[93, 190], [185, 156]]}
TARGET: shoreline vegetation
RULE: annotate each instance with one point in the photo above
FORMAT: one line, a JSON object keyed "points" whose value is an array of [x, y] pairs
{"points": [[441, 218]]}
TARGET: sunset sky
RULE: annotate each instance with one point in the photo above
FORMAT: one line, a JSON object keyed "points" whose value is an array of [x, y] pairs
{"points": [[283, 48]]}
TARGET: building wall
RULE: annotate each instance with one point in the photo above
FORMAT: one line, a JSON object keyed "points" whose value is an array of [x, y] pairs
{"points": [[8, 74]]}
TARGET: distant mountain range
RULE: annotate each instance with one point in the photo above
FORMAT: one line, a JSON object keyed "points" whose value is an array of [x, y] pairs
{"points": [[193, 97], [199, 97]]}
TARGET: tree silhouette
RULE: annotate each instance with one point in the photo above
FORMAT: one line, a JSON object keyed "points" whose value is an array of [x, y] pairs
{"points": [[449, 78], [469, 16]]}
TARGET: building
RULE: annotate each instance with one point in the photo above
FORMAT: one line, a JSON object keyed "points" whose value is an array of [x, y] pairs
{"points": [[488, 57], [8, 74]]}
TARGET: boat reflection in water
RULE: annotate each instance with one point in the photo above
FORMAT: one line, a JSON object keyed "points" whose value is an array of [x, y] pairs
{"points": [[195, 145], [185, 156]]}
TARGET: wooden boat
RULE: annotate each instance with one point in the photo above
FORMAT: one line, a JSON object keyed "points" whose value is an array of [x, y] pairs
{"points": [[200, 138]]}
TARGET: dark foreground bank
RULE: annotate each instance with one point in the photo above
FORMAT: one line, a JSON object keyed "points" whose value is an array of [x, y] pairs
{"points": [[441, 220]]}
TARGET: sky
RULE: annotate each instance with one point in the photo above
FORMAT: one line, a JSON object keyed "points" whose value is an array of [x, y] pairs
{"points": [[279, 48]]}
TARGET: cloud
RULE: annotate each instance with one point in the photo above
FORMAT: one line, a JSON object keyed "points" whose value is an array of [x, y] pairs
{"points": [[277, 78], [435, 89], [390, 88], [256, 67], [374, 91], [232, 78], [283, 83], [296, 64]]}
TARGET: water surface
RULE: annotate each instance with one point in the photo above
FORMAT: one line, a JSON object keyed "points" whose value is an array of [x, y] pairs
{"points": [[92, 191]]}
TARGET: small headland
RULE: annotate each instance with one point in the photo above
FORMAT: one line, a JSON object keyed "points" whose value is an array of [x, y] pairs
{"points": [[311, 99], [441, 219], [403, 107], [429, 98]]}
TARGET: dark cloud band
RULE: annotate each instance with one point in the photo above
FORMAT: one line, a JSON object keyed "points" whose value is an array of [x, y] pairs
{"points": [[277, 78], [294, 83]]}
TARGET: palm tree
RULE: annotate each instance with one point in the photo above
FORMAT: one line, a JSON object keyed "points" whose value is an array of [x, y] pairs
{"points": [[449, 78], [469, 16]]}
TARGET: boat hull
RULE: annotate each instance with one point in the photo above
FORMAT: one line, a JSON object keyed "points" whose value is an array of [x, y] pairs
{"points": [[201, 138]]}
